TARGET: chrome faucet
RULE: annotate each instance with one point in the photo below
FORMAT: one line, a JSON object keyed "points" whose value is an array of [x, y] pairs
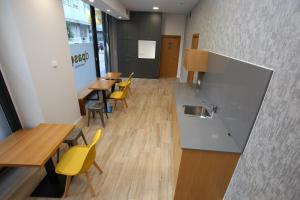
{"points": [[214, 108], [211, 107]]}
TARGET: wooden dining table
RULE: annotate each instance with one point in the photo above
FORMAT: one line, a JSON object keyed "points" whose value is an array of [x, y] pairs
{"points": [[112, 76], [35, 148], [102, 85]]}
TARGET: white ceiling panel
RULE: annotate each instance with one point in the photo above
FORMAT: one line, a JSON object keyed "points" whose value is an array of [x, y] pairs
{"points": [[165, 6]]}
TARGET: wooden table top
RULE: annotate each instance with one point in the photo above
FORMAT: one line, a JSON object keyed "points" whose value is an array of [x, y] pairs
{"points": [[112, 75], [102, 84], [33, 147]]}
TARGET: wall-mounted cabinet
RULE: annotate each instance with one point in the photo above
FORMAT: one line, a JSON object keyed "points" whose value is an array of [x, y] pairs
{"points": [[195, 60]]}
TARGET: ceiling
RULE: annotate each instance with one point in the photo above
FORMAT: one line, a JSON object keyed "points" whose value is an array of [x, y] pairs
{"points": [[166, 6]]}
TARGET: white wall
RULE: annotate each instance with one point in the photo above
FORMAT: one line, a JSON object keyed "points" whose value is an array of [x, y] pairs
{"points": [[174, 24], [15, 69], [32, 35]]}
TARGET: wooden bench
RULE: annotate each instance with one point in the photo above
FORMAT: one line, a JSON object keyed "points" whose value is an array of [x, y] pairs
{"points": [[83, 97]]}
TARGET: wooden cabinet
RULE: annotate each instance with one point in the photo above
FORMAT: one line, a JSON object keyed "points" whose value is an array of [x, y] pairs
{"points": [[195, 60], [200, 175]]}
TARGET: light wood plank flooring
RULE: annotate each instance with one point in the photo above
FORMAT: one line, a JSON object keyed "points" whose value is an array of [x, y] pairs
{"points": [[135, 152]]}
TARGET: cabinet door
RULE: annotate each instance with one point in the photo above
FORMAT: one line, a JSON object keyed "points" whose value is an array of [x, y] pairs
{"points": [[204, 175]]}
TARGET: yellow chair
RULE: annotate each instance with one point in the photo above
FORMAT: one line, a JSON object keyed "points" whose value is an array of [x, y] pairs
{"points": [[120, 96], [78, 159], [127, 83]]}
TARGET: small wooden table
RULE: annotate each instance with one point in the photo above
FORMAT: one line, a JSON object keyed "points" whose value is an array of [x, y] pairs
{"points": [[35, 148], [102, 85], [112, 76]]}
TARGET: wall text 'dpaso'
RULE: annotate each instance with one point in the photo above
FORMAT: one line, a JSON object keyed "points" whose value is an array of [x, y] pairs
{"points": [[79, 59]]}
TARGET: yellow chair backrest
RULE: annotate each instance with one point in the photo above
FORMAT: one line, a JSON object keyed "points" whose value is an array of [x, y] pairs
{"points": [[90, 158], [124, 92], [130, 77]]}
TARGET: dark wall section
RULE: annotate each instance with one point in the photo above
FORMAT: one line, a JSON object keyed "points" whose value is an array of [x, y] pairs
{"points": [[141, 26]]}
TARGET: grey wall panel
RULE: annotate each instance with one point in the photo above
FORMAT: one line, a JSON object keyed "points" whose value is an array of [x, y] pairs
{"points": [[142, 26], [237, 88]]}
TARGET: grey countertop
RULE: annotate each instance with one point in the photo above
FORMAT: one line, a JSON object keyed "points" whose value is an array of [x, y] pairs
{"points": [[197, 133]]}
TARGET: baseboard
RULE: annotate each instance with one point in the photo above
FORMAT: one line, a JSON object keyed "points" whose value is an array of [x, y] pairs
{"points": [[78, 120]]}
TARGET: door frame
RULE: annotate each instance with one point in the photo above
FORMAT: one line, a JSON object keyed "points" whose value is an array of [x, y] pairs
{"points": [[95, 40], [196, 35], [170, 36], [190, 75]]}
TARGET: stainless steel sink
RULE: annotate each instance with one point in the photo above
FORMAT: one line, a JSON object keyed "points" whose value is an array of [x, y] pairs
{"points": [[200, 111]]}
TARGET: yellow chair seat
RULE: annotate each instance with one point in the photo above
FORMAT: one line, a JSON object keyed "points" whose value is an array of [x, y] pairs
{"points": [[116, 95], [72, 161], [124, 83]]}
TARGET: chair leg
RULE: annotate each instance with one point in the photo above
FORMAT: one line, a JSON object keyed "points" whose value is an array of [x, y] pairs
{"points": [[67, 187], [90, 183], [129, 90], [83, 137], [102, 118], [98, 168], [105, 114], [89, 117], [74, 143], [125, 103]]}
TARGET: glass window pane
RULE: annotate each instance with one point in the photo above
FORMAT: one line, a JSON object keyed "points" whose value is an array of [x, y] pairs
{"points": [[4, 126], [79, 30], [100, 37]]}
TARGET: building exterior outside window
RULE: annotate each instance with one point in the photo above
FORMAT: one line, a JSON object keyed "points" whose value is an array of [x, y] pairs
{"points": [[78, 20], [79, 30]]}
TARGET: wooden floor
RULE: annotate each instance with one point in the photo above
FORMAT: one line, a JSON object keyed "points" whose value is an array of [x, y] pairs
{"points": [[135, 152]]}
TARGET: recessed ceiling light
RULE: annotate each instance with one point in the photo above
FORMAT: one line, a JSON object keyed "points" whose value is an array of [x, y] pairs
{"points": [[120, 17], [91, 1], [155, 8], [108, 10]]}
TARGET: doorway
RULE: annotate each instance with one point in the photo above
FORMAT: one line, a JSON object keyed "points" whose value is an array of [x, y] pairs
{"points": [[170, 46], [195, 41], [194, 45]]}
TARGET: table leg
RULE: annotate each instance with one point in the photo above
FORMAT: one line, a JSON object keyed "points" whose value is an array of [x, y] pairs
{"points": [[104, 100], [53, 185], [98, 98], [113, 88]]}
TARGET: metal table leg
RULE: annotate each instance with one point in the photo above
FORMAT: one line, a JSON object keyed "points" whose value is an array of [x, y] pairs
{"points": [[113, 88], [104, 100], [53, 185]]}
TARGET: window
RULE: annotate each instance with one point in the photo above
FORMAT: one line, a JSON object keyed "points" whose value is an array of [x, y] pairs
{"points": [[9, 121], [79, 29], [100, 38], [5, 129], [88, 43]]}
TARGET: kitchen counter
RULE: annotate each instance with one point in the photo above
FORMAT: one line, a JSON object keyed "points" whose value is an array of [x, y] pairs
{"points": [[197, 133]]}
